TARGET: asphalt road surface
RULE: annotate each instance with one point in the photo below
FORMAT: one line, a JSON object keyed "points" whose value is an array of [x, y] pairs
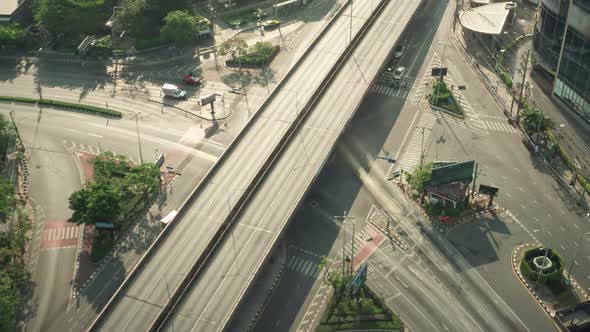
{"points": [[216, 294], [149, 290]]}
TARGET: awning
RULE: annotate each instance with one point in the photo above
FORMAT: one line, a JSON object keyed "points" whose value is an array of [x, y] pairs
{"points": [[488, 19]]}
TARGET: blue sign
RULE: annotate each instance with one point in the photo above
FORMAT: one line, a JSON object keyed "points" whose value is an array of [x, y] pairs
{"points": [[359, 280]]}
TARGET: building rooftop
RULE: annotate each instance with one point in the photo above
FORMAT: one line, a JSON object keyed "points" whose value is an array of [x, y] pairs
{"points": [[487, 19], [7, 7]]}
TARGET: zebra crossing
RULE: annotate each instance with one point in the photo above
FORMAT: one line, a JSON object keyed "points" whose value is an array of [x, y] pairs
{"points": [[91, 149], [305, 265], [500, 126], [60, 234], [413, 151], [424, 84], [366, 242], [388, 91]]}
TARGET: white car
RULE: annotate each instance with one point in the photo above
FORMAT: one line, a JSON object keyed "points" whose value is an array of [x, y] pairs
{"points": [[399, 72]]}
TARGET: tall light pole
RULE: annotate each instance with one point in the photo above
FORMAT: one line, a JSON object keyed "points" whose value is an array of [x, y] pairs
{"points": [[138, 139], [352, 249], [582, 238], [343, 218]]}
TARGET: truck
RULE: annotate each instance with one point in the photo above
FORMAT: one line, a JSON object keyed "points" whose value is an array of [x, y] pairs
{"points": [[171, 90]]}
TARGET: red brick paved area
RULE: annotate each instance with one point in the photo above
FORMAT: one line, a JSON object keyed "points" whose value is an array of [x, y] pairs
{"points": [[86, 267], [367, 248], [60, 234]]}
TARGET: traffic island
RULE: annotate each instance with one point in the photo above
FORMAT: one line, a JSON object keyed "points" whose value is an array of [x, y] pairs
{"points": [[541, 271], [365, 311], [442, 99]]}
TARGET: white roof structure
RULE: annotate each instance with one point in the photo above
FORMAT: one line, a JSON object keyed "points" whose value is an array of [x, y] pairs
{"points": [[488, 19]]}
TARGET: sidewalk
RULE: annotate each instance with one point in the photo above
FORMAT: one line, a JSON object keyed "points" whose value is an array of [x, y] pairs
{"points": [[484, 63]]}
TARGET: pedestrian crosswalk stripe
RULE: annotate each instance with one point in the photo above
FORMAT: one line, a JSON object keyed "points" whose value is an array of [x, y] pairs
{"points": [[498, 126]]}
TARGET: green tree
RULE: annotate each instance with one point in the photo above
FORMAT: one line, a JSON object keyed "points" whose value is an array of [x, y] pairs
{"points": [[8, 301], [180, 27], [108, 165], [143, 18], [419, 177], [100, 202], [71, 18], [7, 136], [12, 35], [533, 120], [233, 47], [143, 179], [334, 277], [7, 199]]}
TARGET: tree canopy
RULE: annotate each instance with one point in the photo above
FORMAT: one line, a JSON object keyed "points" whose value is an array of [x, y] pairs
{"points": [[420, 177], [72, 18], [180, 28], [143, 18], [233, 46], [533, 120], [12, 35], [99, 202]]}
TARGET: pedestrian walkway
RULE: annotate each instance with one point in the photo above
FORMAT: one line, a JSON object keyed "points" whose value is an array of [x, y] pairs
{"points": [[60, 234], [91, 149], [304, 265], [500, 126], [388, 91], [414, 149], [366, 242]]}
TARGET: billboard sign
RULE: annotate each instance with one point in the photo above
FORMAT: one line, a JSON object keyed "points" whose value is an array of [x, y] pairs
{"points": [[359, 280]]}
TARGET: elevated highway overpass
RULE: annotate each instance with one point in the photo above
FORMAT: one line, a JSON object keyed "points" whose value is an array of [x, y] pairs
{"points": [[216, 291], [162, 272]]}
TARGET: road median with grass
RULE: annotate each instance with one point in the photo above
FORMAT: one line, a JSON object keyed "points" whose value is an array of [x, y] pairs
{"points": [[65, 105]]}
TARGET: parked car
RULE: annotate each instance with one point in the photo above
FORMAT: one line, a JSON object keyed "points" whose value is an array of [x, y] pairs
{"points": [[399, 51], [271, 24], [191, 79], [399, 72]]}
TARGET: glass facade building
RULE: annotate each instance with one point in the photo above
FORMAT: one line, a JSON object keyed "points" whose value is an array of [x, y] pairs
{"points": [[567, 59]]}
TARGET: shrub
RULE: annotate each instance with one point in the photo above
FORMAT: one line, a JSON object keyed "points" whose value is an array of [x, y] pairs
{"points": [[506, 78], [63, 104], [552, 277]]}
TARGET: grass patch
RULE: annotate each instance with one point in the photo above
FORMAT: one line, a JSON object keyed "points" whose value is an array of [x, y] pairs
{"points": [[442, 97], [350, 314], [63, 104], [259, 55]]}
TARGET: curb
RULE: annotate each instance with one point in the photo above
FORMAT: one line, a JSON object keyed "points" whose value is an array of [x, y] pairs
{"points": [[228, 111], [530, 289]]}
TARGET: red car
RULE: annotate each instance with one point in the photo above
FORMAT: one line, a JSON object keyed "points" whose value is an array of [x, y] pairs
{"points": [[191, 79]]}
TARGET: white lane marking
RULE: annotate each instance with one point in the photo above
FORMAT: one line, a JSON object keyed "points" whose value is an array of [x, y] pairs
{"points": [[95, 135], [72, 130]]}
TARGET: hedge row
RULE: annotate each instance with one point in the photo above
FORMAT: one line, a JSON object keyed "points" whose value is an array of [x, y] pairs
{"points": [[254, 60], [568, 161], [552, 277], [57, 103]]}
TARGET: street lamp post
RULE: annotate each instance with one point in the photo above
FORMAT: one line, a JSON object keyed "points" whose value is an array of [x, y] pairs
{"points": [[582, 238]]}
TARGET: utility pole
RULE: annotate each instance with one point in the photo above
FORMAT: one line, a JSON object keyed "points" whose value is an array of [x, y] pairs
{"points": [[422, 149], [343, 218], [562, 44], [442, 65], [138, 139], [523, 72], [474, 178], [352, 250]]}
